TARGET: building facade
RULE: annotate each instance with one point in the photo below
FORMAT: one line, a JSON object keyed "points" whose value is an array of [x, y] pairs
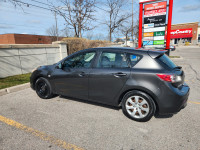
{"points": [[199, 34], [27, 39], [186, 32]]}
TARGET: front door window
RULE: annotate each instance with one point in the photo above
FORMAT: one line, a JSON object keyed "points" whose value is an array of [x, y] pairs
{"points": [[80, 61]]}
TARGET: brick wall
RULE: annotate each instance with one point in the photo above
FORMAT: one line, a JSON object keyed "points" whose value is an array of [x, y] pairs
{"points": [[194, 27], [26, 39], [7, 39]]}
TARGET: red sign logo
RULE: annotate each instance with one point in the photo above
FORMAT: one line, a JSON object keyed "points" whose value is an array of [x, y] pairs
{"points": [[181, 33], [160, 5], [156, 12]]}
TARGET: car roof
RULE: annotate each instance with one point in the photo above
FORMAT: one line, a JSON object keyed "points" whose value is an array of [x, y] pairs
{"points": [[130, 49], [152, 53]]}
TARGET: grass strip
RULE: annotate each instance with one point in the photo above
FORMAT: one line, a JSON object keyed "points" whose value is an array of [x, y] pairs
{"points": [[14, 80]]}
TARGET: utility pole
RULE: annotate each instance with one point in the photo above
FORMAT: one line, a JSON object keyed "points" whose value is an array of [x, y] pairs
{"points": [[56, 25], [132, 21]]}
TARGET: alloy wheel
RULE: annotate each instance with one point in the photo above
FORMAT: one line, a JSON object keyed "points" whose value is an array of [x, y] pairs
{"points": [[137, 107], [42, 88]]}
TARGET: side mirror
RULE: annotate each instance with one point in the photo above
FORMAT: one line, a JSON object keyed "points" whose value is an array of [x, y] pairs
{"points": [[59, 66]]}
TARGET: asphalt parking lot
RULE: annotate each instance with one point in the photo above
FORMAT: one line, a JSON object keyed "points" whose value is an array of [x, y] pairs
{"points": [[28, 122]]}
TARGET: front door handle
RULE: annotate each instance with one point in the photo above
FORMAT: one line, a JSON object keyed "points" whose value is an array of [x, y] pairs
{"points": [[81, 74], [120, 74]]}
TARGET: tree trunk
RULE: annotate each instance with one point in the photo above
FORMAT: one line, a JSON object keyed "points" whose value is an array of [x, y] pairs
{"points": [[110, 36], [79, 23], [80, 34], [126, 38]]}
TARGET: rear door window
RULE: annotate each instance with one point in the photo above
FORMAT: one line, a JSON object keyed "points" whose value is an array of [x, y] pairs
{"points": [[112, 60], [165, 61]]}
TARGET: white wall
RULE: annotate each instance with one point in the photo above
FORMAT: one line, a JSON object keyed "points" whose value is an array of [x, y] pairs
{"points": [[21, 59]]}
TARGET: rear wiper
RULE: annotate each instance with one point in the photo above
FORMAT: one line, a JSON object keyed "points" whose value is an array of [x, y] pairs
{"points": [[177, 67]]}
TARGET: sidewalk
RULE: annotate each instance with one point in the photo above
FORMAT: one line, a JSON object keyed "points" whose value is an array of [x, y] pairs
{"points": [[14, 89]]}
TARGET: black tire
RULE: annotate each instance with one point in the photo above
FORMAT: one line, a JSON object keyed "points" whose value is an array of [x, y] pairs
{"points": [[144, 102], [43, 88]]}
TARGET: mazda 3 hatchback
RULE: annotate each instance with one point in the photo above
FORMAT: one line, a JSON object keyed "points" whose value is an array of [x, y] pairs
{"points": [[143, 82]]}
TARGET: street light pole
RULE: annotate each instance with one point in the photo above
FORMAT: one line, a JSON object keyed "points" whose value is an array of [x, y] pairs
{"points": [[132, 20], [56, 25]]}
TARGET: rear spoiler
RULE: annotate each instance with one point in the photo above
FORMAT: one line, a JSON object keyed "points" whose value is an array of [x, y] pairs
{"points": [[156, 53]]}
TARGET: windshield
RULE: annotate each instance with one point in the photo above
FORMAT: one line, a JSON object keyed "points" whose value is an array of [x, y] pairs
{"points": [[166, 61]]}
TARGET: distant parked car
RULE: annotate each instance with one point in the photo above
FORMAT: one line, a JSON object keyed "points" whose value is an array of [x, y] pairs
{"points": [[143, 82], [172, 48]]}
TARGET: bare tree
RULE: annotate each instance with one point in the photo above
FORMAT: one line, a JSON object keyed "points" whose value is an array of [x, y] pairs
{"points": [[52, 31], [66, 32], [99, 36], [136, 30], [77, 14], [126, 30], [90, 35], [116, 17]]}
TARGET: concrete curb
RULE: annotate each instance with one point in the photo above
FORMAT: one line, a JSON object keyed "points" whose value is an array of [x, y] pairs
{"points": [[14, 89]]}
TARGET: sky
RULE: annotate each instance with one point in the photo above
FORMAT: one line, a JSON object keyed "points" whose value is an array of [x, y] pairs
{"points": [[33, 20]]}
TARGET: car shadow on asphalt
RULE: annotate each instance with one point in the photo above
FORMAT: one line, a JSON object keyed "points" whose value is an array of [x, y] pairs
{"points": [[157, 116], [91, 103], [163, 116]]}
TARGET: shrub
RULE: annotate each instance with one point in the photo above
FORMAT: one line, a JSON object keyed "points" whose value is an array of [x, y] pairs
{"points": [[77, 44]]}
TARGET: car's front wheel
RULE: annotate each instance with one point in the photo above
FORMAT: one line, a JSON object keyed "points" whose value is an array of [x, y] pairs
{"points": [[43, 88], [138, 106]]}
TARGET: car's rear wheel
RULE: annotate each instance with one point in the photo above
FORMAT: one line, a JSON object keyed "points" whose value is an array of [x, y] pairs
{"points": [[138, 106], [43, 88]]}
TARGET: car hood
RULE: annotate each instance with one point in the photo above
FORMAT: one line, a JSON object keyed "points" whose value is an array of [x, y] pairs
{"points": [[47, 67]]}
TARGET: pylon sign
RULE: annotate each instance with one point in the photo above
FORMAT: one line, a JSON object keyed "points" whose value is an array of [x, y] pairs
{"points": [[154, 21], [152, 24]]}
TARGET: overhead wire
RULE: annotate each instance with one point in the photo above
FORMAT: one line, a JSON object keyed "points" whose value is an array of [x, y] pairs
{"points": [[28, 4], [27, 13], [49, 9]]}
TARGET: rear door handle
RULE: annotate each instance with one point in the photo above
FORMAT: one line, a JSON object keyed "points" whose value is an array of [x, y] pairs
{"points": [[120, 74]]}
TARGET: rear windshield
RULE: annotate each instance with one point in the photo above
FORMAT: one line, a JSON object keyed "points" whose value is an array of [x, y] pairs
{"points": [[165, 61]]}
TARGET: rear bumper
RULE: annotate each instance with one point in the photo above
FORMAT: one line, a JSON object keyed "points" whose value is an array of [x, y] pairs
{"points": [[174, 101]]}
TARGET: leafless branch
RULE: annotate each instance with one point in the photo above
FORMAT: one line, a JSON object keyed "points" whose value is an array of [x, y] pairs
{"points": [[52, 31], [77, 14], [116, 17]]}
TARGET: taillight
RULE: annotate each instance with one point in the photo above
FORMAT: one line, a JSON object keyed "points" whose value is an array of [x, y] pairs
{"points": [[169, 77]]}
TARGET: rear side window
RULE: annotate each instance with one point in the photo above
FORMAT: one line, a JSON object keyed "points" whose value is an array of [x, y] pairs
{"points": [[134, 59], [165, 61]]}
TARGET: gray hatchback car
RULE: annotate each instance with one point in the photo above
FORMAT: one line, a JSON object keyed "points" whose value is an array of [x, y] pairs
{"points": [[143, 82]]}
